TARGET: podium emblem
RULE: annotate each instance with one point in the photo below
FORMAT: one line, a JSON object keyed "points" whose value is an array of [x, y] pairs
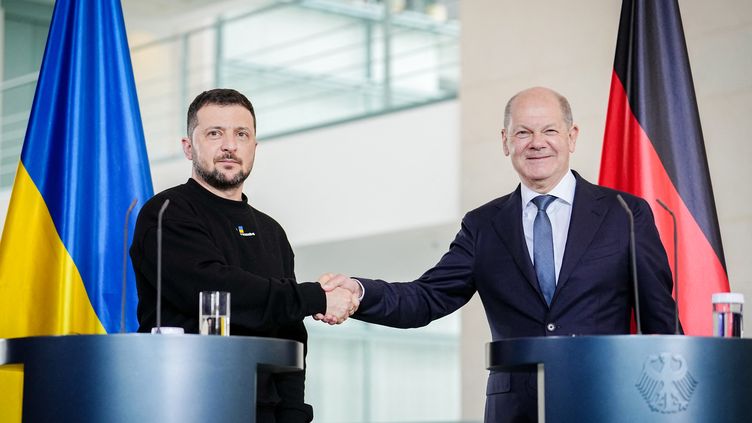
{"points": [[666, 383]]}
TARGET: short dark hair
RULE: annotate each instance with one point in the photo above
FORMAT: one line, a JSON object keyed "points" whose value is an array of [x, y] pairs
{"points": [[220, 97]]}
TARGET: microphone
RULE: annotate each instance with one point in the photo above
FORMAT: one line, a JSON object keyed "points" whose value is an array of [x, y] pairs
{"points": [[634, 261], [676, 264], [125, 263], [159, 264]]}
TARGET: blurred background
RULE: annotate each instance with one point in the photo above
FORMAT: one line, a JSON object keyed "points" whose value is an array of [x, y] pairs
{"points": [[379, 126]]}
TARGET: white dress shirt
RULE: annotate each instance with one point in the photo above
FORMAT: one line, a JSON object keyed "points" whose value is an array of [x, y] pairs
{"points": [[559, 213]]}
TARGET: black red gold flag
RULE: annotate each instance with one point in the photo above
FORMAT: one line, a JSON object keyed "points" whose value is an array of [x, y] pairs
{"points": [[653, 147]]}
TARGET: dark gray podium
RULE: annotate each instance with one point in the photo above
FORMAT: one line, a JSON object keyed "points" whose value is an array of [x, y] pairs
{"points": [[145, 378], [627, 378]]}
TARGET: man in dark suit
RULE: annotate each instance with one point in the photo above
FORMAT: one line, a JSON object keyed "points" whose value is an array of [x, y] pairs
{"points": [[550, 259]]}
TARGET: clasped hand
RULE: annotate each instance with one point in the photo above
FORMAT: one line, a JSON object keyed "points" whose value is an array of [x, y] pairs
{"points": [[342, 298]]}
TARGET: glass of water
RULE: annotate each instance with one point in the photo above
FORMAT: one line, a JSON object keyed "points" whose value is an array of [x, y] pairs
{"points": [[214, 313]]}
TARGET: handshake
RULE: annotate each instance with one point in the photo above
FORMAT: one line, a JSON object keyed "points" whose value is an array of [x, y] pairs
{"points": [[342, 297]]}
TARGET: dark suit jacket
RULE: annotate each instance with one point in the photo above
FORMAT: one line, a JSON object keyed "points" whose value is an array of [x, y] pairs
{"points": [[594, 294]]}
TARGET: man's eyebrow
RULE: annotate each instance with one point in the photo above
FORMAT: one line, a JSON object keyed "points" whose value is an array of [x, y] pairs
{"points": [[224, 128]]}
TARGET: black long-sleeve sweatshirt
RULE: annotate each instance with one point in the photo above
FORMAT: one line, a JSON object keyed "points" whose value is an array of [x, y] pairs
{"points": [[210, 243]]}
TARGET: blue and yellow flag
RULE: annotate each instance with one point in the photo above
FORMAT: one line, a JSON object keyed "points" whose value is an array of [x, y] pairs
{"points": [[83, 162]]}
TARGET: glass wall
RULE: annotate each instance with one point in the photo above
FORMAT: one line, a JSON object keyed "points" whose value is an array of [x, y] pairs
{"points": [[24, 34], [304, 64]]}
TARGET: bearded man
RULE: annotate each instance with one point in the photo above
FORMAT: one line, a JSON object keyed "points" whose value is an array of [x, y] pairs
{"points": [[214, 240]]}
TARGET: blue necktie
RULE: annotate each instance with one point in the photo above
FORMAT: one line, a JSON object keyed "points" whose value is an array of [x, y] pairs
{"points": [[543, 248]]}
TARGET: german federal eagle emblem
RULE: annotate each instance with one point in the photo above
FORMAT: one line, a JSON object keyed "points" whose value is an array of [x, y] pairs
{"points": [[666, 383]]}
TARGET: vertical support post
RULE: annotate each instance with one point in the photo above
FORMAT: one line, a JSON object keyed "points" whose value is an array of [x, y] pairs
{"points": [[2, 90], [218, 51], [541, 393], [387, 30], [368, 50], [367, 378], [184, 78], [367, 90]]}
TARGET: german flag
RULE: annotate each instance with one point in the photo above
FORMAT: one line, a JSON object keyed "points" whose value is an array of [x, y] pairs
{"points": [[653, 147]]}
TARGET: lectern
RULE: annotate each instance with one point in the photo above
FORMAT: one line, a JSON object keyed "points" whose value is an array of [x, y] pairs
{"points": [[145, 378], [631, 378]]}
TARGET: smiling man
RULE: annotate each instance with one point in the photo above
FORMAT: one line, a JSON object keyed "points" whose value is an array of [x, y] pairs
{"points": [[549, 259], [215, 241]]}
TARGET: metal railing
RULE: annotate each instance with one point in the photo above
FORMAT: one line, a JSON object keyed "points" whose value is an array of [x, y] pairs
{"points": [[305, 64], [18, 91]]}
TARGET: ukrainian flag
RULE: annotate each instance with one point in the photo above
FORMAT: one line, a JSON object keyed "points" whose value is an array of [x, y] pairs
{"points": [[83, 162]]}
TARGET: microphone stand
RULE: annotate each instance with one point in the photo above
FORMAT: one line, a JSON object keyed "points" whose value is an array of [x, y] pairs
{"points": [[634, 260], [159, 265], [125, 263], [676, 265]]}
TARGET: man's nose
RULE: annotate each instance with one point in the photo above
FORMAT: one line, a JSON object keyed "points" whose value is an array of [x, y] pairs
{"points": [[537, 140], [229, 143]]}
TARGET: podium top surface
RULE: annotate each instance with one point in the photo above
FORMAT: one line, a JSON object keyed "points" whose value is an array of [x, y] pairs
{"points": [[171, 378], [525, 351], [274, 354]]}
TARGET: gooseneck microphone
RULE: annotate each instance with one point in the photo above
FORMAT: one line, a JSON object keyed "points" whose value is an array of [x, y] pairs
{"points": [[125, 263], [633, 260], [676, 264], [159, 264]]}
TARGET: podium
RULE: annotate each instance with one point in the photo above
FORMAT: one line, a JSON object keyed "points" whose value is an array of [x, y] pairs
{"points": [[145, 378], [629, 378]]}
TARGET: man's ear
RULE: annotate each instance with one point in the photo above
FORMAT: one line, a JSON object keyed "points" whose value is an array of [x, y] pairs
{"points": [[504, 140], [573, 133], [187, 148]]}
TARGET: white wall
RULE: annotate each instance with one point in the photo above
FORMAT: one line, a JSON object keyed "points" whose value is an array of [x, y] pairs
{"points": [[384, 174]]}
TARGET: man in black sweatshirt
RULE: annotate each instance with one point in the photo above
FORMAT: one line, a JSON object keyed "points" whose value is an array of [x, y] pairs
{"points": [[213, 240]]}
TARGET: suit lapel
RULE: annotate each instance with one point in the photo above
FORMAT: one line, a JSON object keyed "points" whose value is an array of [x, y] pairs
{"points": [[508, 225], [588, 213]]}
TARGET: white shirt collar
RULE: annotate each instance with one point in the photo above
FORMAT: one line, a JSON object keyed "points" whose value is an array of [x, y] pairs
{"points": [[564, 190]]}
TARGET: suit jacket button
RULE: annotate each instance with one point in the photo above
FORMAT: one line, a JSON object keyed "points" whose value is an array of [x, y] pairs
{"points": [[550, 327]]}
